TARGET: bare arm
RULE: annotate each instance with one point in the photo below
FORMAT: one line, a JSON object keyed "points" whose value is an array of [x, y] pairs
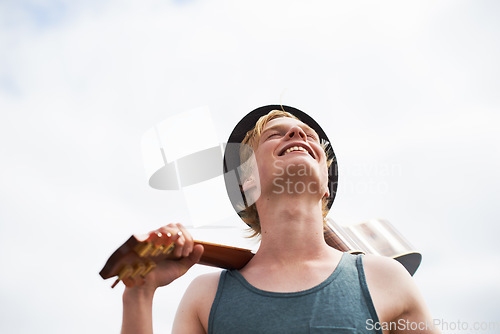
{"points": [[139, 292], [194, 309], [400, 306], [137, 311], [416, 317]]}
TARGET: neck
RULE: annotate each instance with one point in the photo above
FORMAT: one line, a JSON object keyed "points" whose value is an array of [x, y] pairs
{"points": [[292, 230]]}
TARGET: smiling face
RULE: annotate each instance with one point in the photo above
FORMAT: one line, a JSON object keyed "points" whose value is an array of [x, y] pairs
{"points": [[291, 158], [276, 150]]}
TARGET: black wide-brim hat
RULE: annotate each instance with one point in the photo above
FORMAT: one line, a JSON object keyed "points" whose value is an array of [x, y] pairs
{"points": [[232, 152]]}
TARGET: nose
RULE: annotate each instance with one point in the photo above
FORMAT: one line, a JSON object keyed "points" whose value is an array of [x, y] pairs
{"points": [[296, 131]]}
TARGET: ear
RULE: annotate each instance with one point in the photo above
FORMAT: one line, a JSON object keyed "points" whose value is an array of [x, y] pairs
{"points": [[327, 191], [248, 184]]}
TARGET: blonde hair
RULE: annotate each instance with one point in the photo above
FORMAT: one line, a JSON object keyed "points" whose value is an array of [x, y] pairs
{"points": [[250, 143]]}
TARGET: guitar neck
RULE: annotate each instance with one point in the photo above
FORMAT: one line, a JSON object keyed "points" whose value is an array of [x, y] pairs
{"points": [[334, 240], [139, 257]]}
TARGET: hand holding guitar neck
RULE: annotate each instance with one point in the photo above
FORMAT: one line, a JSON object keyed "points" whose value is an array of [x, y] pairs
{"points": [[171, 251]]}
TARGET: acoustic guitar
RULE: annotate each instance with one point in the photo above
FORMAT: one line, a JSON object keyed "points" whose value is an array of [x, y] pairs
{"points": [[138, 256]]}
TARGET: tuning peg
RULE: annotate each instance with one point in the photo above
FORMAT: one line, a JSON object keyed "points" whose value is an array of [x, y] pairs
{"points": [[150, 265], [139, 268], [168, 248], [144, 249], [125, 272], [157, 250]]}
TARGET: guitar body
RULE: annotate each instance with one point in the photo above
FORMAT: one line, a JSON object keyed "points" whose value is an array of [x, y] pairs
{"points": [[376, 237]]}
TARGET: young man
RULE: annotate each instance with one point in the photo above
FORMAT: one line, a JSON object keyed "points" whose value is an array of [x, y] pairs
{"points": [[295, 283]]}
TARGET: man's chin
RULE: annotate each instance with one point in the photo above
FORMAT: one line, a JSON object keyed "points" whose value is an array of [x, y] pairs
{"points": [[297, 185]]}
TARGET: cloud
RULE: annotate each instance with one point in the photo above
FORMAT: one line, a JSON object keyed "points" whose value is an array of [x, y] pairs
{"points": [[399, 84]]}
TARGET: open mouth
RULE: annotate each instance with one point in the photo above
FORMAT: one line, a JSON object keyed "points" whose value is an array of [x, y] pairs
{"points": [[296, 147]]}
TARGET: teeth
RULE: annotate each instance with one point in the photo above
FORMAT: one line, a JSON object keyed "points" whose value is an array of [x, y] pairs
{"points": [[296, 148]]}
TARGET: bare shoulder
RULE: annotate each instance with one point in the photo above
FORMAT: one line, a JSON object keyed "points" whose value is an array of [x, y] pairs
{"points": [[394, 292], [194, 309], [204, 285], [382, 271]]}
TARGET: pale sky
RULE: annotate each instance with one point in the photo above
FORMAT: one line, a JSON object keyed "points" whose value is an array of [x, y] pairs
{"points": [[408, 92]]}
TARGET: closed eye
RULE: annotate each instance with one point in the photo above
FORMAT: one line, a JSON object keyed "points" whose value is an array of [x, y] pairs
{"points": [[273, 135], [313, 137]]}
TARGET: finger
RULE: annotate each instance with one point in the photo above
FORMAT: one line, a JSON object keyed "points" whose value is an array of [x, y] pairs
{"points": [[166, 234], [179, 244], [188, 241], [159, 237], [193, 258]]}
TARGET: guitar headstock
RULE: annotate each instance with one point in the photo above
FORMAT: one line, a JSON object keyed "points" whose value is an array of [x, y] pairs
{"points": [[138, 256]]}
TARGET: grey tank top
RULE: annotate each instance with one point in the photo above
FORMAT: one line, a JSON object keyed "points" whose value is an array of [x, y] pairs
{"points": [[340, 304]]}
